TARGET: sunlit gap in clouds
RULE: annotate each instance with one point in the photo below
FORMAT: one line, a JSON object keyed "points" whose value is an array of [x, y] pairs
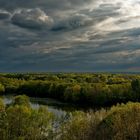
{"points": [[128, 15]]}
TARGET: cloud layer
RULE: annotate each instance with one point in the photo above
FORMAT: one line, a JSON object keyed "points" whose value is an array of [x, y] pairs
{"points": [[69, 35], [32, 18]]}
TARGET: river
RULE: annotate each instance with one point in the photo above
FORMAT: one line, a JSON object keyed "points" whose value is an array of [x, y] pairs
{"points": [[54, 106]]}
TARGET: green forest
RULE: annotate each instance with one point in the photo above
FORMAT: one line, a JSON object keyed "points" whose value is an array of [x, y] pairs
{"points": [[117, 96], [82, 89]]}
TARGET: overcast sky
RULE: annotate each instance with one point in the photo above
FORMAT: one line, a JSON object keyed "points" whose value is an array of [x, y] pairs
{"points": [[69, 35]]}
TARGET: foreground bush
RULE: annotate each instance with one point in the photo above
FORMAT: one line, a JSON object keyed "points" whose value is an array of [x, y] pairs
{"points": [[82, 126], [120, 123], [18, 121], [2, 88]]}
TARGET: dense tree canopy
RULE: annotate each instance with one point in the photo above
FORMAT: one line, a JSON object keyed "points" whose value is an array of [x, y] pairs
{"points": [[83, 89]]}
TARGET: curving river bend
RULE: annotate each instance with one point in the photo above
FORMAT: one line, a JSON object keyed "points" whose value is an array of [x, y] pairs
{"points": [[58, 108]]}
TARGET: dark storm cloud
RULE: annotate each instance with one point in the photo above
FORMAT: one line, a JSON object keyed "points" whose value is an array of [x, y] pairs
{"points": [[46, 4], [4, 15], [32, 18], [69, 35], [73, 22]]}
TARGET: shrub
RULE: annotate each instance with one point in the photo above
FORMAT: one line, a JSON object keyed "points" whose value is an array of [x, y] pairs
{"points": [[2, 88], [122, 123]]}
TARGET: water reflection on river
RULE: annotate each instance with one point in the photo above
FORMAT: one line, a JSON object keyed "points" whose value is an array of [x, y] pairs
{"points": [[52, 105]]}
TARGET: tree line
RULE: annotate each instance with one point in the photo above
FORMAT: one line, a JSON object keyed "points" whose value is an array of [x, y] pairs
{"points": [[81, 89]]}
